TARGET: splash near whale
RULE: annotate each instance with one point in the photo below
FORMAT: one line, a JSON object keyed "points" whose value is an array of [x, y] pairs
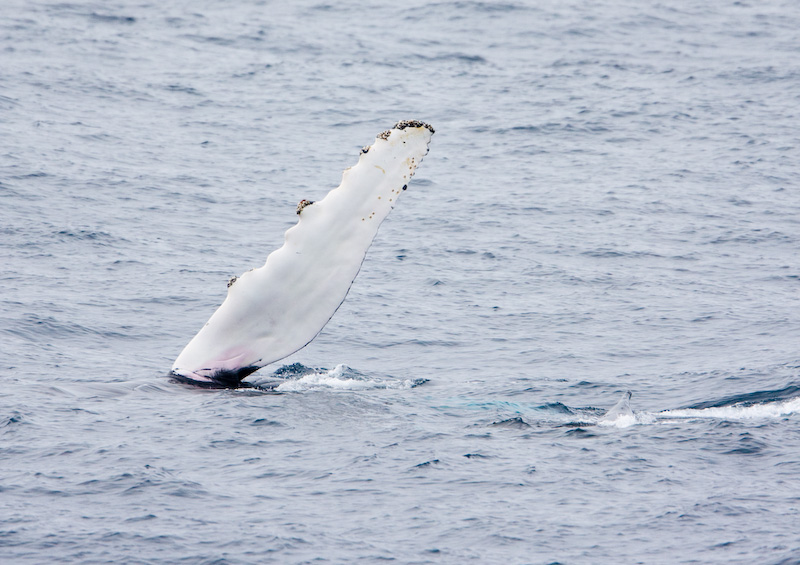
{"points": [[272, 311]]}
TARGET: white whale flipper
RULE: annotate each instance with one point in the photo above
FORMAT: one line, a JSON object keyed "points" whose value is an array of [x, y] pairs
{"points": [[273, 311], [620, 414]]}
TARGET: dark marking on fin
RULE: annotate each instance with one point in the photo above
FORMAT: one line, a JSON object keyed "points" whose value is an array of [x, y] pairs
{"points": [[220, 379]]}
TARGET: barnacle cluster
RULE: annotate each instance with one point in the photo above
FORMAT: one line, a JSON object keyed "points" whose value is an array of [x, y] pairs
{"points": [[413, 124], [302, 204]]}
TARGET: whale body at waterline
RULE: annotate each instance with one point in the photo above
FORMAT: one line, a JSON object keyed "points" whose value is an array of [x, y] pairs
{"points": [[271, 312]]}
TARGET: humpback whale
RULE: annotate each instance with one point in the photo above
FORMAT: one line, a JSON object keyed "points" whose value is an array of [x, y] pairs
{"points": [[272, 311]]}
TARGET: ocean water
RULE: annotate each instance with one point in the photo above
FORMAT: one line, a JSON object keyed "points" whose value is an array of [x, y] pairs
{"points": [[610, 204]]}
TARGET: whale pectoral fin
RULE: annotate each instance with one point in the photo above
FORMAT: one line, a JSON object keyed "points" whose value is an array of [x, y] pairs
{"points": [[273, 311], [622, 409]]}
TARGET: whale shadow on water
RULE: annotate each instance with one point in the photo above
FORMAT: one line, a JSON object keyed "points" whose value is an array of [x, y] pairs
{"points": [[275, 310]]}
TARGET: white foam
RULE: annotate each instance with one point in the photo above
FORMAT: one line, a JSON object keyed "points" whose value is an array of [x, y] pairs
{"points": [[627, 420], [621, 421], [338, 379], [767, 411], [772, 410]]}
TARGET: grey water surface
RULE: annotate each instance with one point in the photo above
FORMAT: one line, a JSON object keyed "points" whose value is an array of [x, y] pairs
{"points": [[610, 203]]}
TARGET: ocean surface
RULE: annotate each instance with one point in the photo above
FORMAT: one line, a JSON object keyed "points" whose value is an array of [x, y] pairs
{"points": [[610, 203]]}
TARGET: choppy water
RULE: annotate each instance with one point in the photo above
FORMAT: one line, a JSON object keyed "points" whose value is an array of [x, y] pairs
{"points": [[610, 203]]}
